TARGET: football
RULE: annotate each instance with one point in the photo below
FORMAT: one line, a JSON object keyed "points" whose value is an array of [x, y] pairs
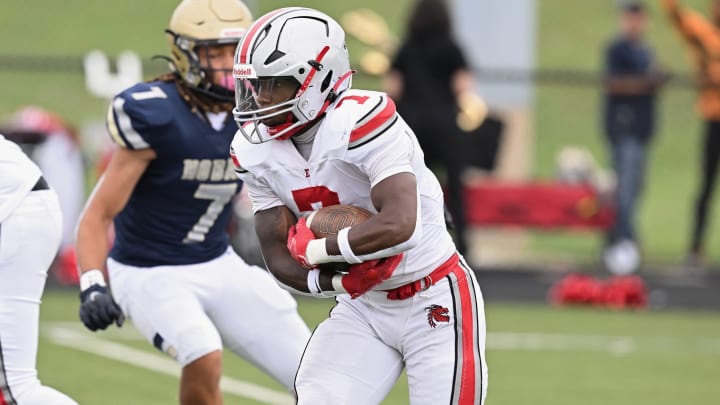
{"points": [[330, 220]]}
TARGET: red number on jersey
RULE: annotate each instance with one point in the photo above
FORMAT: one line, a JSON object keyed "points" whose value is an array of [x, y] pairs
{"points": [[318, 196], [357, 99]]}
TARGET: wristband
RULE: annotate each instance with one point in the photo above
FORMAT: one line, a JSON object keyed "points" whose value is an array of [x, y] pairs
{"points": [[316, 253], [91, 277], [344, 245], [313, 283], [337, 284]]}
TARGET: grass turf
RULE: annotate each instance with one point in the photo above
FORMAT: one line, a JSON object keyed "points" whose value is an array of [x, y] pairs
{"points": [[537, 355]]}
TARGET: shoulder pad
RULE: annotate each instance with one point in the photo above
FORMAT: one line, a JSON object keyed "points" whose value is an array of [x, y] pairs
{"points": [[374, 114], [138, 111]]}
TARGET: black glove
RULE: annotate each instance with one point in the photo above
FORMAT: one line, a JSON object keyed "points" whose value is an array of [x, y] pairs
{"points": [[98, 310]]}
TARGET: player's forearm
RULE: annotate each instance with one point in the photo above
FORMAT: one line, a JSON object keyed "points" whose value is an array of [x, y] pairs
{"points": [[271, 227], [395, 225], [289, 272], [375, 234], [93, 242]]}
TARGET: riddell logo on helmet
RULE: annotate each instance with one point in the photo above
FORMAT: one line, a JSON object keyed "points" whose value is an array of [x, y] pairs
{"points": [[243, 71]]}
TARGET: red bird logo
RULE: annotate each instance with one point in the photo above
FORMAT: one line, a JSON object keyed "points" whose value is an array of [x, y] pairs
{"points": [[436, 313]]}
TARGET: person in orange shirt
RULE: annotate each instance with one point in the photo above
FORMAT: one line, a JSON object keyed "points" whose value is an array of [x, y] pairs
{"points": [[702, 37]]}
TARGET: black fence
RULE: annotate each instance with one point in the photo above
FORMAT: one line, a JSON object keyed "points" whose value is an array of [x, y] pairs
{"points": [[73, 64]]}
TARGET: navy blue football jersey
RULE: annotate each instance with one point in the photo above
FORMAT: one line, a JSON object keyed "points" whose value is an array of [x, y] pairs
{"points": [[179, 211]]}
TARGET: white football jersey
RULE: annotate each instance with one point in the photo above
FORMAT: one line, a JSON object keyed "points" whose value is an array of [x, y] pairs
{"points": [[19, 175], [361, 141]]}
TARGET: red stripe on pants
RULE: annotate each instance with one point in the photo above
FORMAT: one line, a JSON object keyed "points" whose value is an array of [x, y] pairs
{"points": [[467, 384]]}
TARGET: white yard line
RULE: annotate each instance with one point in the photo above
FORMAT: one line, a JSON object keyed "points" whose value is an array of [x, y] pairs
{"points": [[528, 341], [617, 345], [85, 341]]}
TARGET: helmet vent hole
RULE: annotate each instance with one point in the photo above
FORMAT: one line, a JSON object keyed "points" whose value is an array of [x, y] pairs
{"points": [[301, 71], [326, 81], [277, 54]]}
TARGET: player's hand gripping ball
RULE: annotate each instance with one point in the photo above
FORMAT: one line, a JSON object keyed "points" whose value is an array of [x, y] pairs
{"points": [[328, 221], [299, 235], [322, 223]]}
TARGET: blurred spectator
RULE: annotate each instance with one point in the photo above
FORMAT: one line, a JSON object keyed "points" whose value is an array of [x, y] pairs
{"points": [[53, 144], [702, 36], [631, 82], [428, 75]]}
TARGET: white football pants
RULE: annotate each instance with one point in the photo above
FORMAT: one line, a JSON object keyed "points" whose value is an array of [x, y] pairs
{"points": [[191, 310], [438, 335], [29, 239]]}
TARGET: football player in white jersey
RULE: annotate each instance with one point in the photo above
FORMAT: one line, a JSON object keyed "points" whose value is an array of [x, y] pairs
{"points": [[167, 191], [30, 234], [307, 140]]}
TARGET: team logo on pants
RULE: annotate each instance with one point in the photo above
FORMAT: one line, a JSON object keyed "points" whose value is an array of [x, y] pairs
{"points": [[436, 313]]}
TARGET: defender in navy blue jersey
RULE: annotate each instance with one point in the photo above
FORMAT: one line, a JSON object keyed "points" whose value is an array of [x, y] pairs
{"points": [[180, 209], [168, 191]]}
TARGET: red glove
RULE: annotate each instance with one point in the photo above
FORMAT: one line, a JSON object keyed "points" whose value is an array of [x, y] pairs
{"points": [[299, 235], [363, 276]]}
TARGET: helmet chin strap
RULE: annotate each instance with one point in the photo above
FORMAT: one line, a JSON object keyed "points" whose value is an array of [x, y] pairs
{"points": [[272, 130]]}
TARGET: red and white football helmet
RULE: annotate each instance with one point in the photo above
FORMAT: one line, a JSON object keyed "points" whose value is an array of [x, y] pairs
{"points": [[294, 45]]}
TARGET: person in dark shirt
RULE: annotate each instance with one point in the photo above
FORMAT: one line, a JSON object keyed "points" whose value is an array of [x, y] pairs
{"points": [[630, 86], [428, 73]]}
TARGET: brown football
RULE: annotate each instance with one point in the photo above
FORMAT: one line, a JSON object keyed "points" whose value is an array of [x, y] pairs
{"points": [[330, 220]]}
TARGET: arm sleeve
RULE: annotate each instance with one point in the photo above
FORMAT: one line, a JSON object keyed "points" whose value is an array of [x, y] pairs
{"points": [[139, 123], [260, 193]]}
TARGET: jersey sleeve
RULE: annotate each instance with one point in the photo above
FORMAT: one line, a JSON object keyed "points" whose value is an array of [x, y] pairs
{"points": [[138, 117], [261, 194], [380, 142]]}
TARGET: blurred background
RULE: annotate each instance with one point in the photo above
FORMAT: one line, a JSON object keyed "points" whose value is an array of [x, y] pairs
{"points": [[552, 66], [538, 70]]}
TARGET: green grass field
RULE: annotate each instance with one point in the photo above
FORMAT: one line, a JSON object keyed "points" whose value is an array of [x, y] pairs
{"points": [[538, 355]]}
